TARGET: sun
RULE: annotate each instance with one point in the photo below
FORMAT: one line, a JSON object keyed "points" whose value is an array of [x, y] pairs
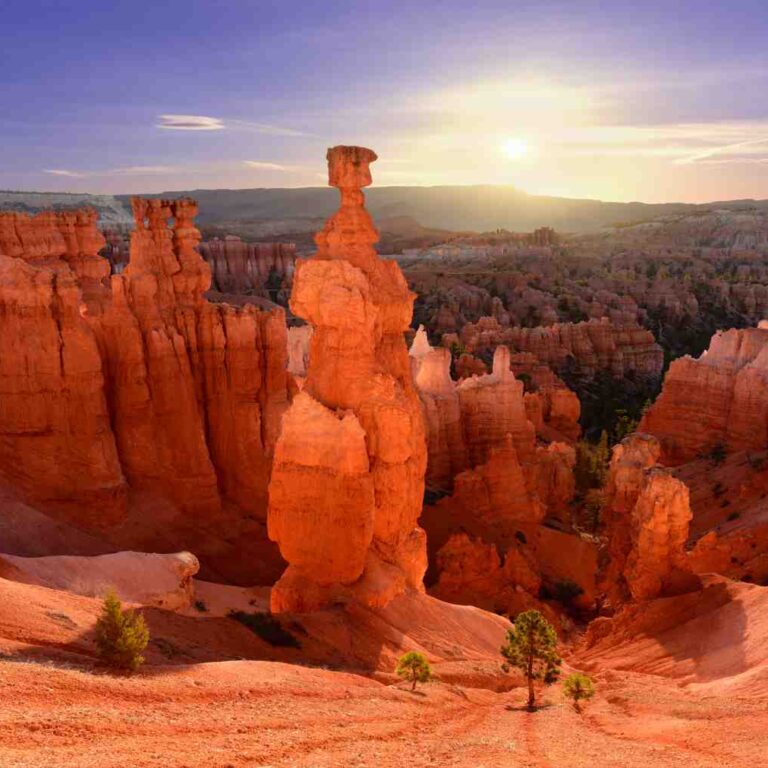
{"points": [[515, 149]]}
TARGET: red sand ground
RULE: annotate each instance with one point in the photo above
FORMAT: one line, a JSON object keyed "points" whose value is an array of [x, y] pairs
{"points": [[58, 709]]}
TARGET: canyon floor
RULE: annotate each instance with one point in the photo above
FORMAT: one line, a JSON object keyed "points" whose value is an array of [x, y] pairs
{"points": [[252, 713], [208, 696]]}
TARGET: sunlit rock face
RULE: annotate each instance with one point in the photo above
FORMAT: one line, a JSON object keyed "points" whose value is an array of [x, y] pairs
{"points": [[345, 519], [447, 451], [134, 382], [466, 419], [719, 399], [56, 443], [646, 518]]}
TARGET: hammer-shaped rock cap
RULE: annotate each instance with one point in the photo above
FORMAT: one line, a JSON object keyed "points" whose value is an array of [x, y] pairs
{"points": [[348, 167]]}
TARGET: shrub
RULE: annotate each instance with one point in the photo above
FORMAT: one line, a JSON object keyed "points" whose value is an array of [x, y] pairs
{"points": [[625, 425], [530, 646], [592, 460], [593, 511], [578, 686], [414, 666], [121, 636]]}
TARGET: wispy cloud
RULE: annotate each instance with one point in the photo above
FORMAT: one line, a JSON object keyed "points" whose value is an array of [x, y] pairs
{"points": [[262, 166], [266, 128], [748, 151], [681, 143], [190, 123], [144, 170], [63, 172], [207, 123], [129, 170]]}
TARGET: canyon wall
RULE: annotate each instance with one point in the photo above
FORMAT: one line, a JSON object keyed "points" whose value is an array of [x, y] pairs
{"points": [[466, 419], [487, 544], [133, 382], [594, 346], [240, 267], [348, 477], [719, 399]]}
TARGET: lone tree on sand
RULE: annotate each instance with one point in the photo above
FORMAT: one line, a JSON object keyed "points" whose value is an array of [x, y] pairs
{"points": [[121, 636], [530, 647], [414, 666], [578, 686]]}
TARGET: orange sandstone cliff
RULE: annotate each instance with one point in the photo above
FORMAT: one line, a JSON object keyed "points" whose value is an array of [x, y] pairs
{"points": [[136, 384], [719, 399], [646, 518], [348, 476]]}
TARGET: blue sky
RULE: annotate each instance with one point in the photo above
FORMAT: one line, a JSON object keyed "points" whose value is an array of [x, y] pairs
{"points": [[618, 100]]}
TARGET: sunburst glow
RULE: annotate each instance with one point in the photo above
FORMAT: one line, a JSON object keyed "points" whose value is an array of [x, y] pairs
{"points": [[515, 149]]}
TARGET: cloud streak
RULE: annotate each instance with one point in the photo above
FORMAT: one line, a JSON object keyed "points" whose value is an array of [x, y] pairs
{"points": [[64, 172], [208, 123], [129, 170], [262, 166], [190, 123]]}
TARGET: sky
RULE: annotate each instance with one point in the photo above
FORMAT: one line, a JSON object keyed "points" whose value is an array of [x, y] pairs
{"points": [[622, 100]]}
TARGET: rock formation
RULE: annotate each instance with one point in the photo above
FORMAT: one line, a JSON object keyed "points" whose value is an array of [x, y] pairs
{"points": [[198, 388], [719, 399], [239, 267], [160, 581], [56, 443], [473, 573], [299, 337], [482, 440], [348, 476], [481, 413], [646, 518], [492, 407], [547, 395], [593, 346], [134, 384], [446, 449]]}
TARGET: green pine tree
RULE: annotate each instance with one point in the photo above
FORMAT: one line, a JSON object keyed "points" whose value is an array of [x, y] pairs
{"points": [[530, 646], [578, 686], [121, 636], [414, 666]]}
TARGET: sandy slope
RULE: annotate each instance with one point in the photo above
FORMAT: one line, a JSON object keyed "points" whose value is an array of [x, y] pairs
{"points": [[208, 697], [250, 713]]}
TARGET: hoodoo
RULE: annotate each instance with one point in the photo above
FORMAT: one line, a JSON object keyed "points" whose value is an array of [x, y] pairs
{"points": [[348, 476]]}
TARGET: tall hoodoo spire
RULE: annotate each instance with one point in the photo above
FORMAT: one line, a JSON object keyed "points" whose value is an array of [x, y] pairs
{"points": [[348, 478]]}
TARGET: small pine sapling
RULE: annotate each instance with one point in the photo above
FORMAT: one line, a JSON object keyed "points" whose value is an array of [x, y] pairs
{"points": [[414, 666], [121, 636], [578, 687]]}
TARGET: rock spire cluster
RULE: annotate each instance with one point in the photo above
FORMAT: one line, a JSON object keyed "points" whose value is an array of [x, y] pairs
{"points": [[134, 383]]}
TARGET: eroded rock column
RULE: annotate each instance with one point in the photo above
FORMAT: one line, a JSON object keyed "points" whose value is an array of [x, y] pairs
{"points": [[348, 479]]}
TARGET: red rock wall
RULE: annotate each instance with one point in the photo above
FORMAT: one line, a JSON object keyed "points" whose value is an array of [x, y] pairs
{"points": [[141, 382], [597, 345], [239, 267], [721, 398]]}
